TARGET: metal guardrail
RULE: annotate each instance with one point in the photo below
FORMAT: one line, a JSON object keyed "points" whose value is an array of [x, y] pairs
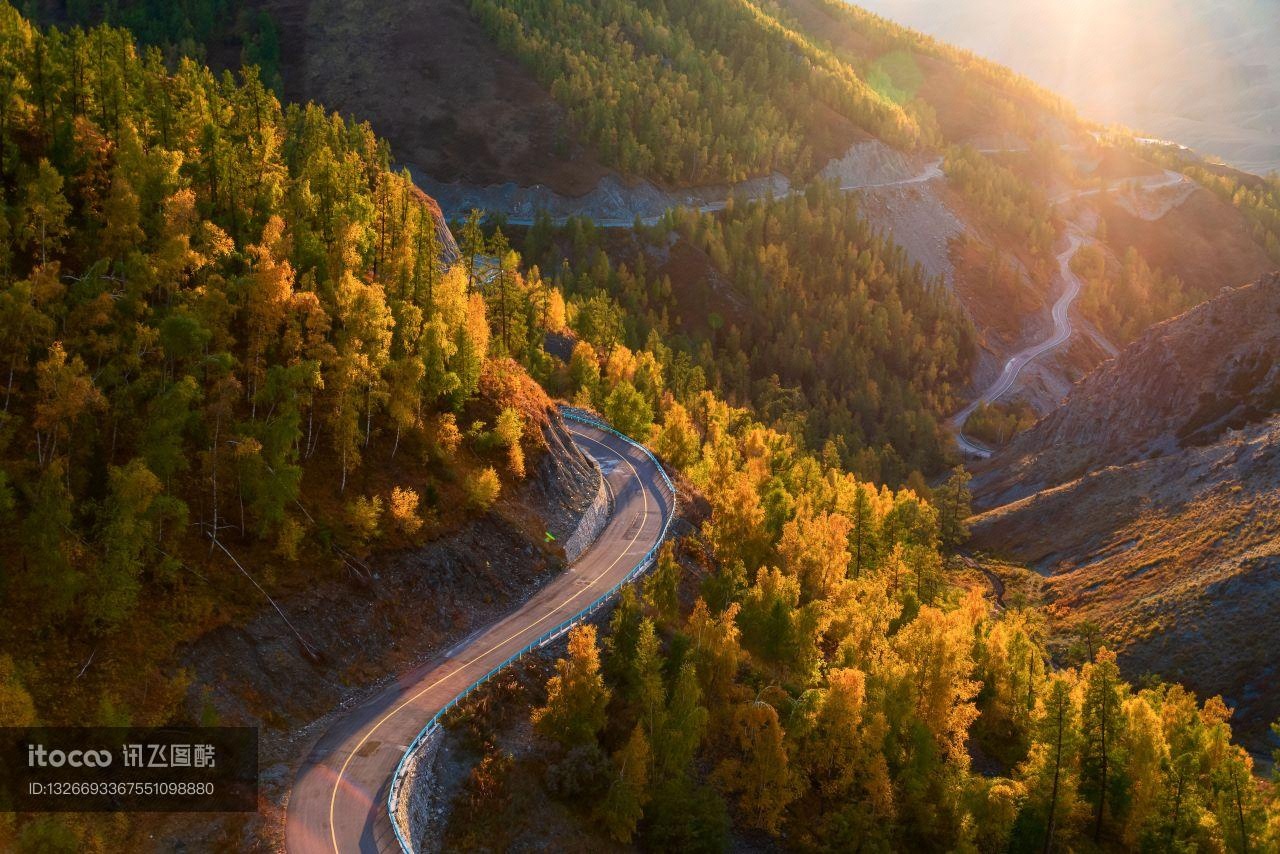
{"points": [[397, 779]]}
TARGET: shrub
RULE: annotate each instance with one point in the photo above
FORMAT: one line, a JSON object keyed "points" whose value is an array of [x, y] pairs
{"points": [[289, 538], [363, 515], [447, 435], [404, 510], [483, 488], [509, 431], [582, 772]]}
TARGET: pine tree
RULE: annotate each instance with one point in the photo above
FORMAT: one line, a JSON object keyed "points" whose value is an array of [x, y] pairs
{"points": [[576, 695], [684, 726], [716, 650], [662, 587], [1052, 767], [759, 771], [863, 549], [953, 499], [623, 804], [1102, 760], [471, 243]]}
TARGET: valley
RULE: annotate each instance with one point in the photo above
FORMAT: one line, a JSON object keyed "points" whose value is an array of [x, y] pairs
{"points": [[1061, 312], [1164, 499], [708, 425]]}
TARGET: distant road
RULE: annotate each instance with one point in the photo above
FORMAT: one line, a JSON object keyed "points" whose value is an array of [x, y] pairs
{"points": [[338, 802], [1062, 328], [614, 204]]}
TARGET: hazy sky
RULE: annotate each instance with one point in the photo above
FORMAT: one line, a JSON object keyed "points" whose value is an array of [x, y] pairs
{"points": [[1203, 72]]}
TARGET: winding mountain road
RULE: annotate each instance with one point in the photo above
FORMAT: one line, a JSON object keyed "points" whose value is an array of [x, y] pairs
{"points": [[1061, 313], [1062, 330], [338, 802], [930, 170]]}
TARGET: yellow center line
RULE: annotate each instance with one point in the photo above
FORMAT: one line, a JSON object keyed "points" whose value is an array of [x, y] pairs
{"points": [[333, 797]]}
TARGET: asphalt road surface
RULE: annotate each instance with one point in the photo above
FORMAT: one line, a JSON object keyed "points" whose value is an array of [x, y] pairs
{"points": [[338, 800]]}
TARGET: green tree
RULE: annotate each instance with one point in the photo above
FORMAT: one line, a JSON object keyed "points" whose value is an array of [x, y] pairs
{"points": [[863, 532], [677, 442], [624, 802], [66, 394], [628, 411], [716, 650], [1102, 761], [45, 210], [1051, 771], [662, 587], [471, 243], [576, 695], [759, 771], [952, 499], [128, 525], [52, 557], [622, 644], [684, 727]]}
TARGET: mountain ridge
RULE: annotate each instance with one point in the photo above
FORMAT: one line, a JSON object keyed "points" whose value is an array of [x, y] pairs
{"points": [[1150, 501], [1159, 396]]}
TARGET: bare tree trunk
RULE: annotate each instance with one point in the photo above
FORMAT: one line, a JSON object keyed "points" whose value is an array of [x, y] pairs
{"points": [[1244, 836], [368, 413], [8, 392], [1177, 813], [213, 457]]}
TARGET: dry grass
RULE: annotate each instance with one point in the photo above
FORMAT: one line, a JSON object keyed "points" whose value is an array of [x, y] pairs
{"points": [[1176, 559]]}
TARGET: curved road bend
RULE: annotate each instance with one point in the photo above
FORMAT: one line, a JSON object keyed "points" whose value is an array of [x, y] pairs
{"points": [[338, 800], [1062, 330]]}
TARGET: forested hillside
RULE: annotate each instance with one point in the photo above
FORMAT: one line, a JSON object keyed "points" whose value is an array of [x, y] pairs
{"points": [[221, 32], [810, 669], [224, 329], [1139, 273], [820, 323], [1127, 297], [1257, 198], [1010, 204], [691, 91]]}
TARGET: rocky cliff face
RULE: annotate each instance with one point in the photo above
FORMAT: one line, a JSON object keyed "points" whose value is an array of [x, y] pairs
{"points": [[1183, 384], [1150, 500], [449, 252]]}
